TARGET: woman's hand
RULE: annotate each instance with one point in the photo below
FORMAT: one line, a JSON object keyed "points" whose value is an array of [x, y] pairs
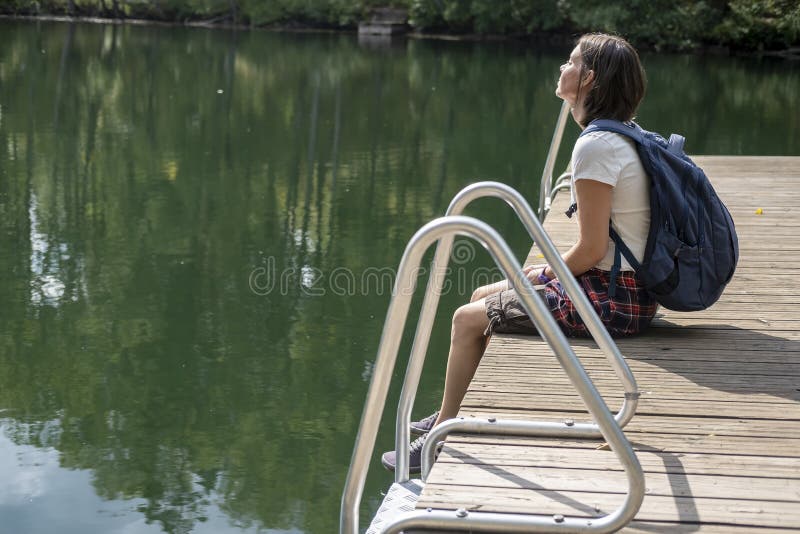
{"points": [[533, 272]]}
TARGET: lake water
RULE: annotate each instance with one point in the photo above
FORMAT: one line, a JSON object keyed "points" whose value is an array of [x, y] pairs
{"points": [[196, 236]]}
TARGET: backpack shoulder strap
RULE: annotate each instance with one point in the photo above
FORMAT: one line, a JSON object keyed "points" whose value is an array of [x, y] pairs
{"points": [[628, 129], [620, 249], [623, 248]]}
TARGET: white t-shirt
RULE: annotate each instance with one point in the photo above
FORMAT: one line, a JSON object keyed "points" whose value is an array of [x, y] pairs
{"points": [[611, 158]]}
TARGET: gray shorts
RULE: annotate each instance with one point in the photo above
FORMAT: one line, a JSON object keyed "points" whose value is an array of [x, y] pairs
{"points": [[507, 315], [628, 312]]}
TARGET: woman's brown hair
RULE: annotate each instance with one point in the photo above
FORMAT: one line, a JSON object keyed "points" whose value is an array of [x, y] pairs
{"points": [[619, 81]]}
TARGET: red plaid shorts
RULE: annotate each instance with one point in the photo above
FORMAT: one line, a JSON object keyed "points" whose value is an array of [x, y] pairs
{"points": [[628, 313]]}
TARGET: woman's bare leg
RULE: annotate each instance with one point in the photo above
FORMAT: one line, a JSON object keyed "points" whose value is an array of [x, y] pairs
{"points": [[484, 291], [467, 344]]}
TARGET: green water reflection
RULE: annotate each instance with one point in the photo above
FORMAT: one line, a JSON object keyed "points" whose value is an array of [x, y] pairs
{"points": [[189, 223]]}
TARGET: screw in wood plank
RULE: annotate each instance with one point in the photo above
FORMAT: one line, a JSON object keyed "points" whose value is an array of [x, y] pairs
{"points": [[461, 512], [558, 518]]}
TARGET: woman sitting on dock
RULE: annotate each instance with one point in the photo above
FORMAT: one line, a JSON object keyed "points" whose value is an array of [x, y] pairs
{"points": [[603, 79]]}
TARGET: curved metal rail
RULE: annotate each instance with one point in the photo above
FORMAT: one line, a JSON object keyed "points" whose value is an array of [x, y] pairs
{"points": [[385, 361], [428, 314], [547, 189]]}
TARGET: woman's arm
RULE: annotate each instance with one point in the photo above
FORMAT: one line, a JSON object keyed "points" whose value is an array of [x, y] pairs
{"points": [[594, 213], [594, 199]]}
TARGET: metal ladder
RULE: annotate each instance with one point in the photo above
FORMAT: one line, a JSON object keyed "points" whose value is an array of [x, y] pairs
{"points": [[607, 426]]}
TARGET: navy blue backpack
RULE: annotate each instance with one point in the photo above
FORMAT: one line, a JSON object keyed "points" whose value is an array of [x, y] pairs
{"points": [[692, 248]]}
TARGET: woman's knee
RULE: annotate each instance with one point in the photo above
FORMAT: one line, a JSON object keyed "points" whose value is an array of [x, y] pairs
{"points": [[470, 318]]}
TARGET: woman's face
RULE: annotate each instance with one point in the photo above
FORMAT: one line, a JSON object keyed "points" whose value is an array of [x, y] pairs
{"points": [[570, 76]]}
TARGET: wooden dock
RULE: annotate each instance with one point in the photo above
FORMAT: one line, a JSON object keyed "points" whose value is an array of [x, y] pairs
{"points": [[717, 429]]}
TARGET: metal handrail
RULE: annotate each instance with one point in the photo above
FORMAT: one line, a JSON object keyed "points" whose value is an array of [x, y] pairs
{"points": [[428, 314], [546, 191], [387, 354]]}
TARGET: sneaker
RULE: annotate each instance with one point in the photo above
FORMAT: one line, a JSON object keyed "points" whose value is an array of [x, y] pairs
{"points": [[389, 459], [423, 426]]}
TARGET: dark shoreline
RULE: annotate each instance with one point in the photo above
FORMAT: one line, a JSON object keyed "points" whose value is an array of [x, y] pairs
{"points": [[551, 39]]}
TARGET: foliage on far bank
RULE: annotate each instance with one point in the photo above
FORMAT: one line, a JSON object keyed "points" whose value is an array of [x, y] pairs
{"points": [[660, 24], [753, 25], [314, 13]]}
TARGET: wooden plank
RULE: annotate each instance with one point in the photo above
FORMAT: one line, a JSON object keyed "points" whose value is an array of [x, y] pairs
{"points": [[776, 446], [661, 345], [731, 387], [643, 364], [685, 367], [671, 527], [650, 395], [780, 411], [661, 356], [652, 462], [736, 388], [702, 378], [776, 514], [771, 390], [667, 527], [643, 423], [678, 484]]}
